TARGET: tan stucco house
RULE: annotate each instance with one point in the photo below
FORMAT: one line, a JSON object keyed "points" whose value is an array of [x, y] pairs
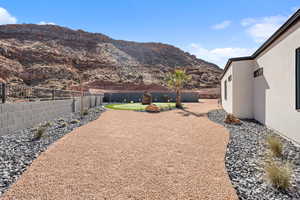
{"points": [[266, 85]]}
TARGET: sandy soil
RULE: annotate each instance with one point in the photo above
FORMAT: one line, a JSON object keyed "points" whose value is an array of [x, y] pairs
{"points": [[132, 155]]}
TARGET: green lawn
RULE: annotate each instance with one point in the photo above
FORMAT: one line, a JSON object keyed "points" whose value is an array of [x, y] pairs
{"points": [[138, 106]]}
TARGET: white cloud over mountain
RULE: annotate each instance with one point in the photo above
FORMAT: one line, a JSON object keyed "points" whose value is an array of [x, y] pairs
{"points": [[46, 23], [6, 17], [218, 56]]}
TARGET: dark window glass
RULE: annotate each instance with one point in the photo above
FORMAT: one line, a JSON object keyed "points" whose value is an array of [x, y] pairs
{"points": [[225, 90], [258, 72], [298, 79]]}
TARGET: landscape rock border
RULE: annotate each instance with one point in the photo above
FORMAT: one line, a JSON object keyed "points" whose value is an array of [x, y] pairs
{"points": [[19, 149], [244, 158]]}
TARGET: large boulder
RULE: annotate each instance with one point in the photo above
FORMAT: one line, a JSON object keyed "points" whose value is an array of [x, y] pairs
{"points": [[153, 108], [147, 98]]}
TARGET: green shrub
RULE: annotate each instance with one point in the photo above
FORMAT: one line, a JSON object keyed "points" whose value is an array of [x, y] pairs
{"points": [[61, 119], [40, 133], [85, 112], [47, 124], [231, 119], [74, 121], [279, 175], [275, 145], [63, 125]]}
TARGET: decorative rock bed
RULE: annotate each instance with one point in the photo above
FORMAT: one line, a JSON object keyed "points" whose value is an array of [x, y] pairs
{"points": [[245, 158], [18, 150]]}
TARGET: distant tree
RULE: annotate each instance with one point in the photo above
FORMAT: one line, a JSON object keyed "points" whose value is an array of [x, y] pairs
{"points": [[176, 81]]}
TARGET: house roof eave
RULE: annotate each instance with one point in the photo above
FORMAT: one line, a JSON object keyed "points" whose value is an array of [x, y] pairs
{"points": [[288, 24], [234, 60]]}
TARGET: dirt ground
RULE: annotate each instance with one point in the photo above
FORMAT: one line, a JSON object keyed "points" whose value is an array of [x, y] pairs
{"points": [[173, 155]]}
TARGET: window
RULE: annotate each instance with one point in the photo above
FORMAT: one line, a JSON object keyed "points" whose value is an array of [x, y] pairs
{"points": [[225, 90], [258, 72], [230, 78], [298, 79]]}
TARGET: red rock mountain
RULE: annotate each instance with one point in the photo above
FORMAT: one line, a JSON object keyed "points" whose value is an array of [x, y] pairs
{"points": [[54, 56]]}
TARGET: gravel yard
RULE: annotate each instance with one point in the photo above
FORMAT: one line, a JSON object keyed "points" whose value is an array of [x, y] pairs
{"points": [[177, 154], [18, 150], [245, 157]]}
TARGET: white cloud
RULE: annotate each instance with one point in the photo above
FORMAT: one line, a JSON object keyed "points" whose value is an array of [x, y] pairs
{"points": [[6, 17], [218, 56], [46, 23], [248, 21], [261, 29], [294, 9], [222, 25]]}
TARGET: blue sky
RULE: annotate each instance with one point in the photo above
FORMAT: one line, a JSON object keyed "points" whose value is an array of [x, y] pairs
{"points": [[213, 30]]}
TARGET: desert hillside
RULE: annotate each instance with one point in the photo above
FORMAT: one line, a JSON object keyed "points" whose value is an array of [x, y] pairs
{"points": [[54, 56]]}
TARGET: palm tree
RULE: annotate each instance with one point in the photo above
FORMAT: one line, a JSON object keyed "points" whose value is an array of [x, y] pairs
{"points": [[176, 81]]}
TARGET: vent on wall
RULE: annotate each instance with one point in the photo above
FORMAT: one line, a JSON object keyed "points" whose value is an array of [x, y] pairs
{"points": [[298, 79]]}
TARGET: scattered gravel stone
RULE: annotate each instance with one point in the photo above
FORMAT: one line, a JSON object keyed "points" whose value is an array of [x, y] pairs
{"points": [[19, 149], [245, 157]]}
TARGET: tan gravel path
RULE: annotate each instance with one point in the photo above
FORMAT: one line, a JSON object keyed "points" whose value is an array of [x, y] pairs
{"points": [[133, 155]]}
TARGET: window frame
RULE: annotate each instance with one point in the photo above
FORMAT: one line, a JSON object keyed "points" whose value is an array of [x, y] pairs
{"points": [[297, 79], [225, 90]]}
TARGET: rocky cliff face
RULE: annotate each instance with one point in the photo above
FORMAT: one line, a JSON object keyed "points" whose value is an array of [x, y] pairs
{"points": [[54, 56]]}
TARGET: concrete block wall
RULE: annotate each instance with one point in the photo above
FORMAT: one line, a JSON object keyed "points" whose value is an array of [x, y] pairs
{"points": [[88, 102], [15, 116], [156, 97]]}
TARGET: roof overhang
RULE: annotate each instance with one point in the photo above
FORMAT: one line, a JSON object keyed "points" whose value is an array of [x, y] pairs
{"points": [[286, 26], [234, 60]]}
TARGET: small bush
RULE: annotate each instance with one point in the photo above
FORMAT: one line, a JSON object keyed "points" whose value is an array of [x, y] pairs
{"points": [[63, 125], [61, 119], [279, 175], [153, 108], [39, 133], [74, 121], [85, 112], [231, 119], [275, 145], [47, 124]]}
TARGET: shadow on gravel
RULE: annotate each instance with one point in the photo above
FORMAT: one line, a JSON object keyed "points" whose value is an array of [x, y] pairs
{"points": [[187, 113]]}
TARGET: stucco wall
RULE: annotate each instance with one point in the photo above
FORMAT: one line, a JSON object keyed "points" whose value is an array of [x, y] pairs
{"points": [[228, 104], [274, 92], [243, 89]]}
